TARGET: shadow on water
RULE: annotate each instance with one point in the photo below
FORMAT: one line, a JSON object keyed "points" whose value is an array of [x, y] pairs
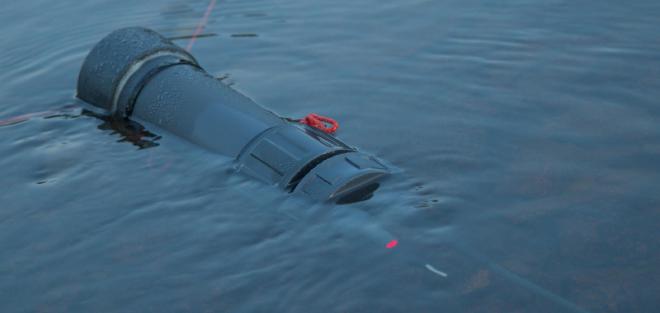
{"points": [[130, 131]]}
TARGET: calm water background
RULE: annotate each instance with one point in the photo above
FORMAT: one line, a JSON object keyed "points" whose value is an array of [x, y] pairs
{"points": [[526, 133]]}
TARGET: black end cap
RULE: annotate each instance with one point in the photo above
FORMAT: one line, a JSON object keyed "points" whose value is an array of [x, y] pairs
{"points": [[114, 56], [344, 178]]}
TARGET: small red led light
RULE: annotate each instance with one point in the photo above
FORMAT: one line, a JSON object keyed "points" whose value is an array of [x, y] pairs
{"points": [[392, 244]]}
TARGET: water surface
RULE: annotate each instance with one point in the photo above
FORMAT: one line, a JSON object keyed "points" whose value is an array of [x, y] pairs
{"points": [[526, 133]]}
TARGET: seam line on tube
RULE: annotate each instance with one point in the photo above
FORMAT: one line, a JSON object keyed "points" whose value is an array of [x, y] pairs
{"points": [[298, 177]]}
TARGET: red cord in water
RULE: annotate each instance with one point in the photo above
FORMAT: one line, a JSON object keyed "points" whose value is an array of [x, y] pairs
{"points": [[201, 25], [322, 123]]}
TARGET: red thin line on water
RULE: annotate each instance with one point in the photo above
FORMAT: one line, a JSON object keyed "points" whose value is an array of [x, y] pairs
{"points": [[27, 116], [201, 25]]}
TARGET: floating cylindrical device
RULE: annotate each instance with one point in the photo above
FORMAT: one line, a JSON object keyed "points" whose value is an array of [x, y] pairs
{"points": [[138, 74]]}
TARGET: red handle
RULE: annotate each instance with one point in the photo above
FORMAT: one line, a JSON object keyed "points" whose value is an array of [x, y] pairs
{"points": [[323, 123]]}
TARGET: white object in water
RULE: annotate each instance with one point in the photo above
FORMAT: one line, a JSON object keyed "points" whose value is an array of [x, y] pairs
{"points": [[434, 270]]}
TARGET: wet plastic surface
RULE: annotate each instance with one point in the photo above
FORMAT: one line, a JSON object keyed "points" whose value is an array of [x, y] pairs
{"points": [[150, 78]]}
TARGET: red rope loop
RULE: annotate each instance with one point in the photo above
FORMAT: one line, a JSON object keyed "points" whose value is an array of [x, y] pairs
{"points": [[322, 123]]}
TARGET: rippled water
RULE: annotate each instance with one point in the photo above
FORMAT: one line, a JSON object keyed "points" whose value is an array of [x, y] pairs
{"points": [[526, 133]]}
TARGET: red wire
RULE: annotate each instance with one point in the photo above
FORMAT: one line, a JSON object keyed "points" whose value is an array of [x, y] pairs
{"points": [[201, 25]]}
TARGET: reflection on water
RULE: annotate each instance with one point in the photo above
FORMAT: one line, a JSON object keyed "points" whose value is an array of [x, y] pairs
{"points": [[526, 134], [128, 130], [174, 38]]}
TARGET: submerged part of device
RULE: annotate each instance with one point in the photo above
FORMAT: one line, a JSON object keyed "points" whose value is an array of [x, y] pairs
{"points": [[137, 73]]}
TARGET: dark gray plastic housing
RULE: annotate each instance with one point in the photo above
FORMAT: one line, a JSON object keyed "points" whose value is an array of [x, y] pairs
{"points": [[136, 72]]}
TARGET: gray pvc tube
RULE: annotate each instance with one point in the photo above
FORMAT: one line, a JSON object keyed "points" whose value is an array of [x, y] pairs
{"points": [[136, 72]]}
